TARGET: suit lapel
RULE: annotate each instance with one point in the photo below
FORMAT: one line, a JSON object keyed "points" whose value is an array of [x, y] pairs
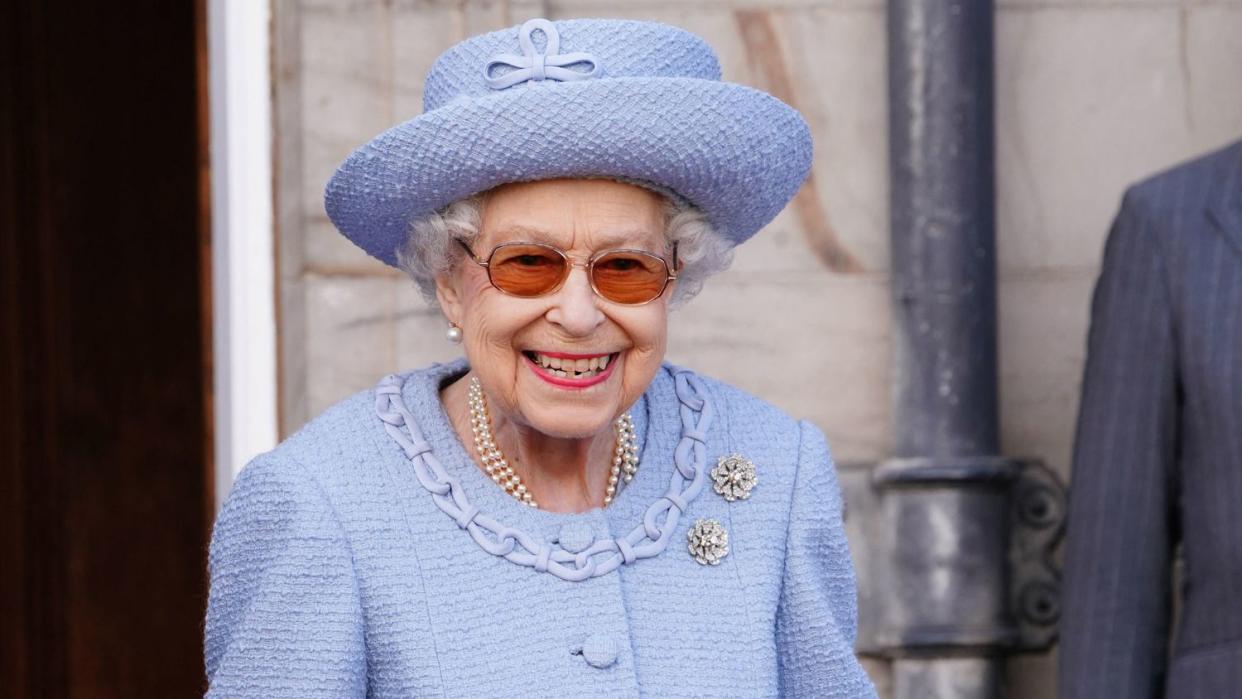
{"points": [[1225, 202]]}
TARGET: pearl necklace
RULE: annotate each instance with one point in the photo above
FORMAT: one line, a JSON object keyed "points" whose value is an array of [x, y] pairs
{"points": [[624, 457]]}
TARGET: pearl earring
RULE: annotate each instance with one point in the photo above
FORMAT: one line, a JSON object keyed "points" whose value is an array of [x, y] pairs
{"points": [[453, 334]]}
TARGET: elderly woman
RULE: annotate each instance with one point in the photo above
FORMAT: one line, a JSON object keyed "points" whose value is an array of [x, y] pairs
{"points": [[559, 513]]}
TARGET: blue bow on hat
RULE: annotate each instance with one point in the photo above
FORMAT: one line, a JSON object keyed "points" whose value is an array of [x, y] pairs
{"points": [[549, 64]]}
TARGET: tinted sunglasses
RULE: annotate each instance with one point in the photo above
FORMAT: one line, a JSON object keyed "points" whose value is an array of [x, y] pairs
{"points": [[627, 277]]}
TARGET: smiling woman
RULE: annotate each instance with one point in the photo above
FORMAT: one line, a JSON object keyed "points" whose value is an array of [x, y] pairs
{"points": [[533, 354], [559, 512]]}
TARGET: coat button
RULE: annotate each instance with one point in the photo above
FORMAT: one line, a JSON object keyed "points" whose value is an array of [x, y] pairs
{"points": [[600, 651], [576, 537]]}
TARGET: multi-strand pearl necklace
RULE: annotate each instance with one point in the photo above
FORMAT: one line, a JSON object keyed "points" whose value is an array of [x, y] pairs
{"points": [[624, 456]]}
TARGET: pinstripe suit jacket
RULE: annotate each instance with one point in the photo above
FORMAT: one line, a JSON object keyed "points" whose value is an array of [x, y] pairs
{"points": [[1158, 458]]}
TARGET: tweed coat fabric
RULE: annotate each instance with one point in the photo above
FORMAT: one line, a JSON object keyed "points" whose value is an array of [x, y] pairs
{"points": [[1158, 460], [333, 574], [658, 113]]}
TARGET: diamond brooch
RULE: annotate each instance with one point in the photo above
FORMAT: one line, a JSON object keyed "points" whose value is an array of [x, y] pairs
{"points": [[734, 477], [709, 542]]}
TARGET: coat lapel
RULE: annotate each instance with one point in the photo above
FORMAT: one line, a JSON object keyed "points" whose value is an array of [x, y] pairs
{"points": [[1225, 203]]}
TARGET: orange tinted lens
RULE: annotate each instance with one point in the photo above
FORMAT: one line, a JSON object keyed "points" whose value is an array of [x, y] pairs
{"points": [[629, 277], [526, 270]]}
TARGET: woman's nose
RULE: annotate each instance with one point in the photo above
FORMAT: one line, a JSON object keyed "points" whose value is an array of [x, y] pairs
{"points": [[575, 306]]}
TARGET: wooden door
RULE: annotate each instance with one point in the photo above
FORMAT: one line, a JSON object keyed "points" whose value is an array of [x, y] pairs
{"points": [[106, 497]]}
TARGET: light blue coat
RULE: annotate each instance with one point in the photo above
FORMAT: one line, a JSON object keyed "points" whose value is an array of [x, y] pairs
{"points": [[334, 573]]}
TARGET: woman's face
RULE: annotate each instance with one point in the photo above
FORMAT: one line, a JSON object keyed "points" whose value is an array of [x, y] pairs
{"points": [[509, 340]]}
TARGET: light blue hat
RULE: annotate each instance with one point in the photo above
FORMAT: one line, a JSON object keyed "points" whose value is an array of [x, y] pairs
{"points": [[633, 101]]}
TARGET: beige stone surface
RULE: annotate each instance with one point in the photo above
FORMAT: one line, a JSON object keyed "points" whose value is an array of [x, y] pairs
{"points": [[1212, 51], [1090, 95], [817, 347], [347, 65], [1089, 101], [1042, 340], [351, 335]]}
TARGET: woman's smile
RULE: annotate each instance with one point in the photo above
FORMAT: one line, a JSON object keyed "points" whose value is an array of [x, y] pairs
{"points": [[571, 371]]}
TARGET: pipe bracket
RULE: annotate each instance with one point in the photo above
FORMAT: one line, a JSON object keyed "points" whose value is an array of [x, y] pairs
{"points": [[960, 555]]}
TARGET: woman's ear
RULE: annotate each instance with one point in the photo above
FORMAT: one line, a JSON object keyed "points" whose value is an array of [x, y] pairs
{"points": [[449, 298]]}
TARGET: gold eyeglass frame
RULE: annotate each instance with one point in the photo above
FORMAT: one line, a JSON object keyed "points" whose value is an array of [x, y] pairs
{"points": [[485, 263]]}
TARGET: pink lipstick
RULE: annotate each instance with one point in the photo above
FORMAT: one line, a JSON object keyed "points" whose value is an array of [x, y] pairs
{"points": [[564, 382]]}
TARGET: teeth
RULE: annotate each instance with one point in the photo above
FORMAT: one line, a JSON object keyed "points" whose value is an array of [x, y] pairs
{"points": [[572, 368]]}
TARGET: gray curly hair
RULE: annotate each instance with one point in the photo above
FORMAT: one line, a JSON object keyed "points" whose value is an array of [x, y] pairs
{"points": [[429, 251]]}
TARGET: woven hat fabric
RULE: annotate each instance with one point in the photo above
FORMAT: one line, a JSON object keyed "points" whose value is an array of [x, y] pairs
{"points": [[634, 101]]}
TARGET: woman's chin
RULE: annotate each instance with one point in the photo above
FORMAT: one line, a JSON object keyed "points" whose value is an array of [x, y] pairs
{"points": [[567, 422]]}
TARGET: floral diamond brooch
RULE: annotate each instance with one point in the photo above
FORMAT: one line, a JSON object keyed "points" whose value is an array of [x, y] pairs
{"points": [[734, 477], [709, 542]]}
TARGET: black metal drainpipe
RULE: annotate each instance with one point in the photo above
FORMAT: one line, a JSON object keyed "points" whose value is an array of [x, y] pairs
{"points": [[945, 619]]}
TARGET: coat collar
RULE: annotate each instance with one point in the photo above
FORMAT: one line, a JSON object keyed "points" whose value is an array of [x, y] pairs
{"points": [[1225, 200], [409, 410]]}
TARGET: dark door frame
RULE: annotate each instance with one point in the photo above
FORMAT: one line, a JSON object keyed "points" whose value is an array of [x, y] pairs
{"points": [[105, 368]]}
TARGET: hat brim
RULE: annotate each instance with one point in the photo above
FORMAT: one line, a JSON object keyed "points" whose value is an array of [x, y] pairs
{"points": [[736, 153]]}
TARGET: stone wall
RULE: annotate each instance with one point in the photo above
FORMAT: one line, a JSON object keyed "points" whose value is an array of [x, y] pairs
{"points": [[1091, 95]]}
